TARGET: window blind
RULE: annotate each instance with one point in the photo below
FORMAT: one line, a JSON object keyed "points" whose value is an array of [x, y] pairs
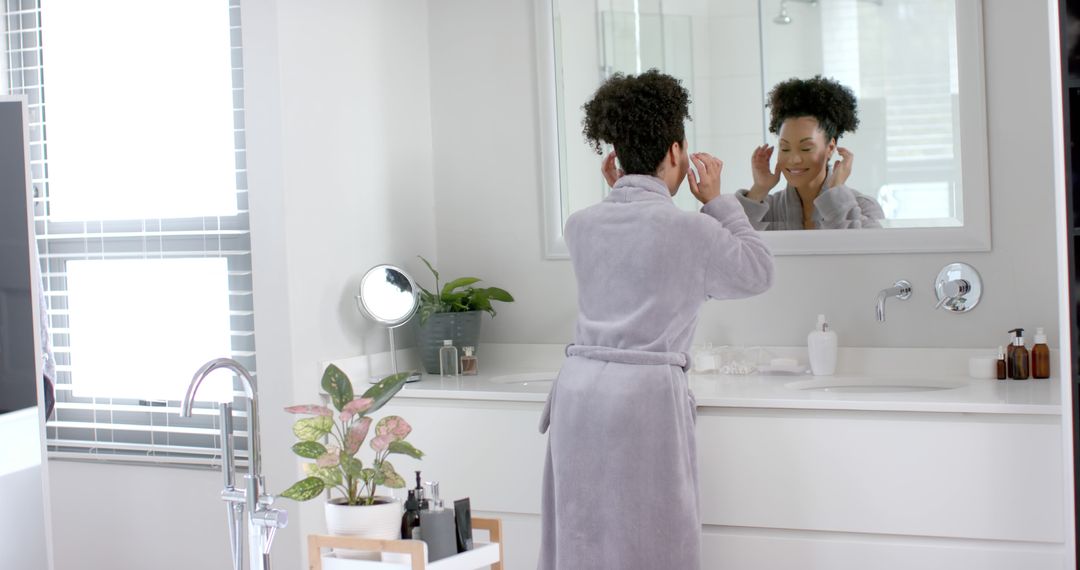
{"points": [[127, 429]]}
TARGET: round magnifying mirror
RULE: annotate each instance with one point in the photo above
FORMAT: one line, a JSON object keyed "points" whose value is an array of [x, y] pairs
{"points": [[388, 295]]}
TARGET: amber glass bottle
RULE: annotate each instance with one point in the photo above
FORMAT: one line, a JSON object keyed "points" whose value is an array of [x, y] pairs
{"points": [[1020, 365], [1040, 356]]}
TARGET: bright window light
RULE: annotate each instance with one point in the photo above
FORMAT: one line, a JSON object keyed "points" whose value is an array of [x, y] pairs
{"points": [[140, 328], [139, 109]]}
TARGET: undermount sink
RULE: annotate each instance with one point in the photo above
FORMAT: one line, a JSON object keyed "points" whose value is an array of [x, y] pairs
{"points": [[875, 386], [524, 378]]}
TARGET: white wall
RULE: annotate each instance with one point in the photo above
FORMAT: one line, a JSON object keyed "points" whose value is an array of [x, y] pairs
{"points": [[24, 533], [340, 171], [484, 113]]}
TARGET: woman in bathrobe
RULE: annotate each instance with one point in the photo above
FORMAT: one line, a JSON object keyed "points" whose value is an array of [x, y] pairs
{"points": [[620, 479], [810, 116]]}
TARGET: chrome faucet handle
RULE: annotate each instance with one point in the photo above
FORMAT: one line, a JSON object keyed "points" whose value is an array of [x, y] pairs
{"points": [[953, 291], [958, 288]]}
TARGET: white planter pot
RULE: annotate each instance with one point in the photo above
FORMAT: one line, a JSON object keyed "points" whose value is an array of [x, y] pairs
{"points": [[379, 521]]}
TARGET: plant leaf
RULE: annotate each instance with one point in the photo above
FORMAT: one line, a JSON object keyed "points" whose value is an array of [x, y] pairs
{"points": [[356, 406], [381, 442], [356, 436], [426, 311], [456, 283], [405, 448], [310, 409], [330, 476], [452, 298], [305, 489], [332, 458], [386, 388], [499, 295], [337, 384], [390, 477], [311, 429], [367, 474], [430, 268], [309, 449], [352, 466], [393, 426]]}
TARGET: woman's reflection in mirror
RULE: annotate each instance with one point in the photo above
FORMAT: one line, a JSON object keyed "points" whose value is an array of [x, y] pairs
{"points": [[809, 116]]}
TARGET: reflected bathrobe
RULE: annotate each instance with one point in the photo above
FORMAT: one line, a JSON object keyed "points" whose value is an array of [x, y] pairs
{"points": [[836, 208], [620, 484]]}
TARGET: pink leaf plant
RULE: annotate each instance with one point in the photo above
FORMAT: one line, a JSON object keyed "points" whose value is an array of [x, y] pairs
{"points": [[333, 441]]}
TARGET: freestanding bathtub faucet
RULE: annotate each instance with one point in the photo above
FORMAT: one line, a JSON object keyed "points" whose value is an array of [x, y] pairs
{"points": [[262, 521]]}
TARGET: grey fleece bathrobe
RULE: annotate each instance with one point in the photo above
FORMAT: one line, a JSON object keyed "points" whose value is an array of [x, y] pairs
{"points": [[836, 208], [620, 478]]}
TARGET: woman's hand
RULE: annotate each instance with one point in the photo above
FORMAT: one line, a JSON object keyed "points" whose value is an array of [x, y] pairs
{"points": [[764, 179], [842, 168], [611, 173], [705, 184]]}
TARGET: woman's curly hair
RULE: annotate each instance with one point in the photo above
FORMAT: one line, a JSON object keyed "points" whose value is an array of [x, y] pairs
{"points": [[641, 116], [833, 105]]}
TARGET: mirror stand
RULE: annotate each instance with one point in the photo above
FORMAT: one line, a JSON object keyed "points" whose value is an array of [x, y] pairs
{"points": [[389, 296]]}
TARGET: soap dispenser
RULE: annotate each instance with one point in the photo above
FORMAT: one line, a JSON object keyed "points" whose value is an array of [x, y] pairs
{"points": [[410, 521], [438, 524], [1020, 363], [822, 347]]}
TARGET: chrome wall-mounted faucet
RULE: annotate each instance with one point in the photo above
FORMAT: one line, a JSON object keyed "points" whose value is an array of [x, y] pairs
{"points": [[262, 521], [901, 290]]}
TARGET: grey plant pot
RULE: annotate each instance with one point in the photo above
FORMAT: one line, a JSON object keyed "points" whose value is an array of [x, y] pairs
{"points": [[461, 328]]}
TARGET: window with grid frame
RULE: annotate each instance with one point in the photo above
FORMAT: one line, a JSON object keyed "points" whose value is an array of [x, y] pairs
{"points": [[141, 217]]}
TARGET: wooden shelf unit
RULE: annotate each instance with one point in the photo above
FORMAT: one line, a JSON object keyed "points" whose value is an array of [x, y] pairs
{"points": [[484, 554]]}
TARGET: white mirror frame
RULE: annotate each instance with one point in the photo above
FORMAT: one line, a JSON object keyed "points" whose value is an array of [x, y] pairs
{"points": [[973, 236]]}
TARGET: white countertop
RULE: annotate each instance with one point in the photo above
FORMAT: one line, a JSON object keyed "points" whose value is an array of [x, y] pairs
{"points": [[501, 365]]}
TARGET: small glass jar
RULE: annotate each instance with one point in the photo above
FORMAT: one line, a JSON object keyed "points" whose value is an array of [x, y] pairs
{"points": [[448, 359], [469, 365]]}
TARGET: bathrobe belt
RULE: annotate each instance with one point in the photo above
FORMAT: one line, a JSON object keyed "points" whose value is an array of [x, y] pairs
{"points": [[627, 356]]}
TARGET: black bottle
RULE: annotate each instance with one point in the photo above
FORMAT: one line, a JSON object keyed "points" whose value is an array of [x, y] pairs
{"points": [[410, 521], [411, 518]]}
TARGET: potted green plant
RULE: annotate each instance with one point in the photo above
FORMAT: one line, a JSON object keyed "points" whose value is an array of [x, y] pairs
{"points": [[359, 510], [453, 313]]}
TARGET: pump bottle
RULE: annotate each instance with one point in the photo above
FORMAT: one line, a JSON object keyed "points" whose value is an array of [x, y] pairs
{"points": [[821, 346], [1017, 333], [1020, 361]]}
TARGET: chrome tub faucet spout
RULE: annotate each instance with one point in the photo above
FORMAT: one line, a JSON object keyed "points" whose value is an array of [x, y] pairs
{"points": [[901, 290], [262, 520]]}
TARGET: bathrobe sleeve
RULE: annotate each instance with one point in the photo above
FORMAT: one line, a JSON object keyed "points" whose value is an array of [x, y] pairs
{"points": [[843, 208], [760, 214], [738, 263]]}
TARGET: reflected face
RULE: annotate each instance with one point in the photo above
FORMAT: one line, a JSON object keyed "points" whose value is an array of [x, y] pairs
{"points": [[803, 151]]}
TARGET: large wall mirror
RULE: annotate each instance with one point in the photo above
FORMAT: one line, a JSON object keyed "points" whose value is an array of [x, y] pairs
{"points": [[915, 66]]}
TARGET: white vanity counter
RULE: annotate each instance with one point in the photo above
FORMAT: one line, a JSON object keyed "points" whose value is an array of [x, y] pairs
{"points": [[523, 373], [967, 477]]}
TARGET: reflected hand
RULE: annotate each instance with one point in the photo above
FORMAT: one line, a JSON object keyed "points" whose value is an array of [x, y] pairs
{"points": [[842, 168], [764, 179], [705, 184], [611, 173]]}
